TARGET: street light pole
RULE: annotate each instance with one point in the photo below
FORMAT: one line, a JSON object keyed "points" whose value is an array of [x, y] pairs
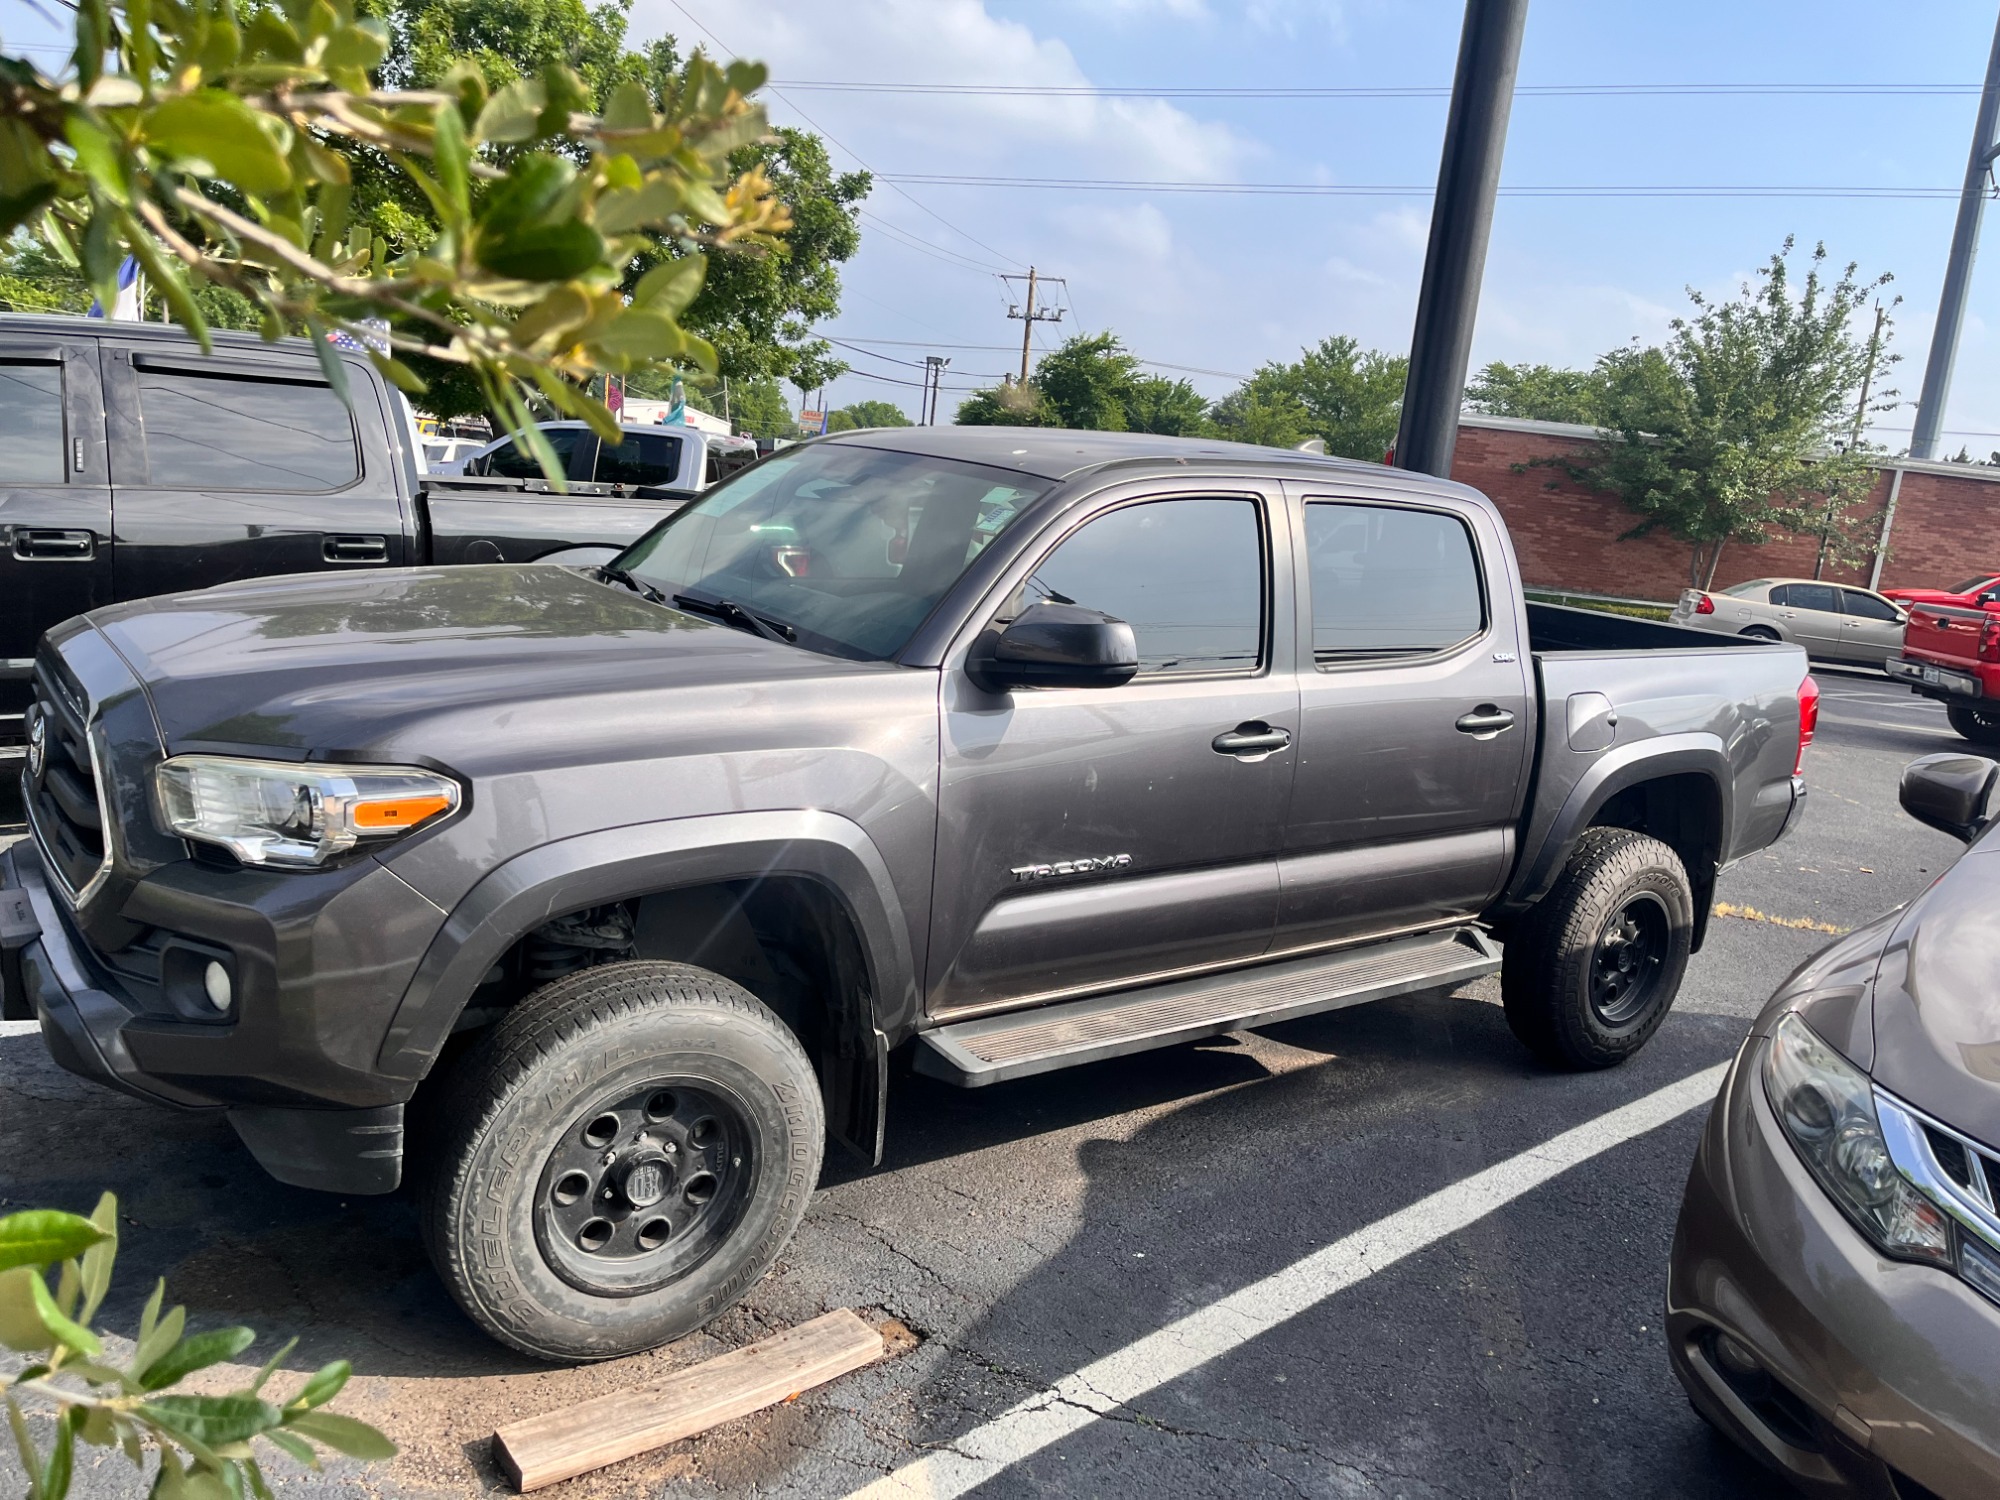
{"points": [[1958, 269], [1475, 136]]}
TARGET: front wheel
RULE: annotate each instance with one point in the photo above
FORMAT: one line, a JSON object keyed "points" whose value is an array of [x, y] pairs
{"points": [[1592, 970], [623, 1157], [1976, 722]]}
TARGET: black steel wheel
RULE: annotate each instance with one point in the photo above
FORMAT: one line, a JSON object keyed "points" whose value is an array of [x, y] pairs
{"points": [[619, 1160], [1591, 971]]}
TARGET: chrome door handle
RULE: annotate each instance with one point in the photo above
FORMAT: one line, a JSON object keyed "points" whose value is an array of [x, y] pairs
{"points": [[1485, 721], [354, 549], [1251, 741]]}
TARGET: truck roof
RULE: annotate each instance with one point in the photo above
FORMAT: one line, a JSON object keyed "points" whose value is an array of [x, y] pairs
{"points": [[76, 323]]}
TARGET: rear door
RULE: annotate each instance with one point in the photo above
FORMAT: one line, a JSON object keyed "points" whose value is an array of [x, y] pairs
{"points": [[1872, 628], [1416, 722], [242, 465], [55, 504], [1812, 613]]}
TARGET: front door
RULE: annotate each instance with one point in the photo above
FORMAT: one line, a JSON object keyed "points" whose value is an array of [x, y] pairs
{"points": [[1416, 723], [232, 467], [1095, 838], [1871, 628], [55, 504]]}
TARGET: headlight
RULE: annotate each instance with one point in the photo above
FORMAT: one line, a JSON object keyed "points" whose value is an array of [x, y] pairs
{"points": [[1827, 1107], [291, 814]]}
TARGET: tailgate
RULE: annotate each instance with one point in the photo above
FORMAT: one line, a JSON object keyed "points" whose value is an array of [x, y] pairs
{"points": [[1944, 633]]}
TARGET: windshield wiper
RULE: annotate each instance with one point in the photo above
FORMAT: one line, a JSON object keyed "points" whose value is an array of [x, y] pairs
{"points": [[732, 613], [637, 585]]}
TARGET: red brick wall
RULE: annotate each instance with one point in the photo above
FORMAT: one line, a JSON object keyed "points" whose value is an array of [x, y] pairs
{"points": [[1570, 537]]}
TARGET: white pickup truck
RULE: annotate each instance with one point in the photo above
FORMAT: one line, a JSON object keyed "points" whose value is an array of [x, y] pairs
{"points": [[656, 456]]}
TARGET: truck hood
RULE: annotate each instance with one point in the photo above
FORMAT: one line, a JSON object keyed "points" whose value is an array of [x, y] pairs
{"points": [[340, 664], [1937, 998]]}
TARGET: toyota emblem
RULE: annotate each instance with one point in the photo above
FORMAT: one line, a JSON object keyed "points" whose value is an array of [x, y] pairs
{"points": [[38, 745]]}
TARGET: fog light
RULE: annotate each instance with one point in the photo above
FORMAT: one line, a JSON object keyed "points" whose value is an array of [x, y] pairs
{"points": [[215, 981], [1734, 1358]]}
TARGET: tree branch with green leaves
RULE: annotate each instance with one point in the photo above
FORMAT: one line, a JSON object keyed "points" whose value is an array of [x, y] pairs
{"points": [[212, 141]]}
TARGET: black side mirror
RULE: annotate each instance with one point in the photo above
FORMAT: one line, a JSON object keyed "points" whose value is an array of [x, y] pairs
{"points": [[1991, 596], [1056, 645], [1951, 793]]}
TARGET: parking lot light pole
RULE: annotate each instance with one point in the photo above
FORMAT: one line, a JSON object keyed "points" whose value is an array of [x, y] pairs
{"points": [[1475, 135], [1958, 268]]}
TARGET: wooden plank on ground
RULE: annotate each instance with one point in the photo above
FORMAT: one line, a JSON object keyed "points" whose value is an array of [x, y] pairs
{"points": [[562, 1444]]}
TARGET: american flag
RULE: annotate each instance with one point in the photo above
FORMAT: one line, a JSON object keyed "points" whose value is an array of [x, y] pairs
{"points": [[374, 335]]}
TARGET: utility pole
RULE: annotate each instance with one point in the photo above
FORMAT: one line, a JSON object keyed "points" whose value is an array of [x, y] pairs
{"points": [[1030, 315], [934, 367], [1958, 268], [1854, 437], [1475, 135]]}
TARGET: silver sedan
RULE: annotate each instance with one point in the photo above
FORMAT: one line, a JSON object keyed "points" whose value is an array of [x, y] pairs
{"points": [[1831, 620]]}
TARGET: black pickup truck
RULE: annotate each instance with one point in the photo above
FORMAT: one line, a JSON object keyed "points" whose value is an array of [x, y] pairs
{"points": [[617, 891], [132, 464]]}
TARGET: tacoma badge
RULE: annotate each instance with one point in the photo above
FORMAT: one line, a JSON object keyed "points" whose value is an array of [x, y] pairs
{"points": [[1089, 866]]}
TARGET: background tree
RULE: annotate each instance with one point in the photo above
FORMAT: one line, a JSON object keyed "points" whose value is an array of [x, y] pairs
{"points": [[1736, 428], [1093, 383], [1541, 393], [866, 414], [758, 408], [1007, 405], [1336, 390]]}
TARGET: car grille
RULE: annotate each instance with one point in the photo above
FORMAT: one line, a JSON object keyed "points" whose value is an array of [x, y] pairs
{"points": [[1967, 1172], [64, 802]]}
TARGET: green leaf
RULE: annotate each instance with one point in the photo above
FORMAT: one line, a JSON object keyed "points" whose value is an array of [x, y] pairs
{"points": [[643, 335], [510, 115], [149, 1316], [209, 1420], [20, 1323], [258, 1486], [41, 1236], [71, 1336], [342, 1434], [543, 252], [533, 186], [97, 154], [270, 1366], [669, 287], [655, 203], [165, 1334], [330, 363], [398, 374], [298, 1448], [166, 275], [452, 156], [631, 107], [216, 127], [17, 209], [62, 1457], [325, 1384], [197, 1352], [361, 45], [96, 1264], [24, 1444]]}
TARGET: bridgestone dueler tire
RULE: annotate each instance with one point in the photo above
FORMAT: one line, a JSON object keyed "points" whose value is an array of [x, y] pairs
{"points": [[512, 1100], [1980, 725], [1545, 979]]}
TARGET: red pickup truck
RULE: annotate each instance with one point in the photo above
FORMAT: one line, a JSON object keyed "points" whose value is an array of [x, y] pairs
{"points": [[1953, 655], [1968, 595]]}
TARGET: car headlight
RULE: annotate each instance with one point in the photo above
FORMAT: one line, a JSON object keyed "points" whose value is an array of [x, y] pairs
{"points": [[1827, 1107], [292, 814]]}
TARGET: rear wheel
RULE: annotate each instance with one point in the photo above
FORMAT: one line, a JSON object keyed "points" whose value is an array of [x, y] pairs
{"points": [[1979, 723], [1760, 633], [623, 1158], [1592, 970]]}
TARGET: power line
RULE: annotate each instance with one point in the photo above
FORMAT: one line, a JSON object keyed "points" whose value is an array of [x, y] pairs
{"points": [[915, 364], [922, 246], [1411, 91], [1421, 190], [703, 28], [1157, 364]]}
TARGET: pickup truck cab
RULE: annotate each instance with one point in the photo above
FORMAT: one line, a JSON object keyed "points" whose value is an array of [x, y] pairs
{"points": [[132, 464], [617, 892], [1952, 655], [1965, 596], [660, 457]]}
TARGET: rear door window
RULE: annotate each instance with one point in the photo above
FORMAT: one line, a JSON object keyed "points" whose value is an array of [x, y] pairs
{"points": [[640, 458], [511, 461], [223, 432], [31, 423], [1390, 582]]}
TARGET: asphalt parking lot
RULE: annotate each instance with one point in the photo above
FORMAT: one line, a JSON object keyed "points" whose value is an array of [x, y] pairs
{"points": [[1033, 1230]]}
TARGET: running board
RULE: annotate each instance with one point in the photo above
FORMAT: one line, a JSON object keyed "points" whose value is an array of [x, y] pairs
{"points": [[994, 1048]]}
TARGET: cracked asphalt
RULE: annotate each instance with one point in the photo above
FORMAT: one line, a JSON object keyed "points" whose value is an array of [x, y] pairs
{"points": [[1024, 1230]]}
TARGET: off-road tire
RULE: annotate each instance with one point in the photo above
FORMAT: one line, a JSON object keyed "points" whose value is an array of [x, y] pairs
{"points": [[1981, 725], [1546, 977], [514, 1099]]}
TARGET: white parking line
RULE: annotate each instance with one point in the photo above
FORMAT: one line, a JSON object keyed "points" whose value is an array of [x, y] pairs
{"points": [[1099, 1388]]}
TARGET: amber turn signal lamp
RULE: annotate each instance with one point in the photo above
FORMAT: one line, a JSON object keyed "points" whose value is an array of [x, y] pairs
{"points": [[398, 812]]}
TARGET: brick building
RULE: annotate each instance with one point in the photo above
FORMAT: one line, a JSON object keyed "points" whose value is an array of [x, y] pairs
{"points": [[1941, 530]]}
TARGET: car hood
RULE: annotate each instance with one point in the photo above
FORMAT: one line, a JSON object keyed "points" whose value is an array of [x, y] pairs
{"points": [[343, 664], [1937, 998]]}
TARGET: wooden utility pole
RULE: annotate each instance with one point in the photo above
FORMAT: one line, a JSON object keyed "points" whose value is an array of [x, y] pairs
{"points": [[1030, 315]]}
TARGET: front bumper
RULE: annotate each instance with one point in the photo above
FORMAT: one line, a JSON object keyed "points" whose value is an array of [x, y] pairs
{"points": [[1931, 679], [301, 1099], [1875, 1373]]}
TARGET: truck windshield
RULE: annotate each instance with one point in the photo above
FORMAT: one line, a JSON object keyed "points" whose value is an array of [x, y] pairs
{"points": [[845, 549]]}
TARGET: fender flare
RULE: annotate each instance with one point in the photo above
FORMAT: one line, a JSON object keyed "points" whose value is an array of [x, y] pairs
{"points": [[1695, 752], [614, 864]]}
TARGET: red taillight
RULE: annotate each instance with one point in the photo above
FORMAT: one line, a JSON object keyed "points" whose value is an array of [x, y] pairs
{"points": [[1703, 605], [1808, 719]]}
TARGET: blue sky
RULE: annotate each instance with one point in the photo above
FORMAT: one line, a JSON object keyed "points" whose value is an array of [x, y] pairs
{"points": [[1222, 283]]}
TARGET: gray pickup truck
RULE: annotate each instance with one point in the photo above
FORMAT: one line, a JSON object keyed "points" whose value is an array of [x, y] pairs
{"points": [[609, 894]]}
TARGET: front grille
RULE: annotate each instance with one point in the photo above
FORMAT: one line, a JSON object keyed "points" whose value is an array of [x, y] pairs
{"points": [[1967, 1172], [65, 811]]}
